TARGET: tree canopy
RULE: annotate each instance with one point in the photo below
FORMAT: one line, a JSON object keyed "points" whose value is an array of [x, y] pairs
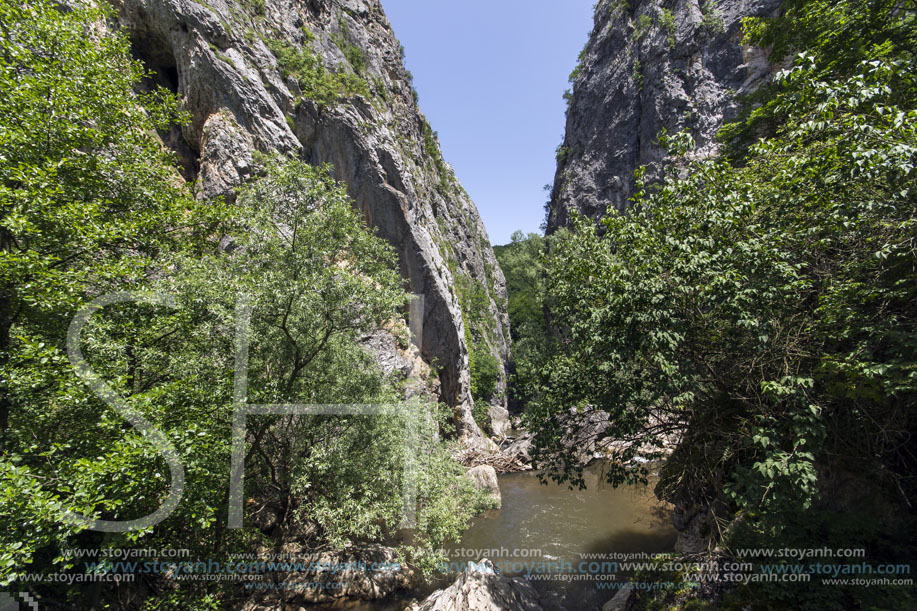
{"points": [[93, 205], [760, 308]]}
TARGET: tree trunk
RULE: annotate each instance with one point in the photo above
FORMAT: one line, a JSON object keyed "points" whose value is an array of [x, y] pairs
{"points": [[6, 322]]}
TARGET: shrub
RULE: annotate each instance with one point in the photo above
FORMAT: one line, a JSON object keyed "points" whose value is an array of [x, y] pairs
{"points": [[620, 5], [642, 27], [257, 6], [353, 53], [637, 74], [485, 371], [713, 20], [667, 21], [317, 83]]}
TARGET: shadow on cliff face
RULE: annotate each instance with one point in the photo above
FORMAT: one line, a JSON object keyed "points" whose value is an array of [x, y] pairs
{"points": [[156, 55]]}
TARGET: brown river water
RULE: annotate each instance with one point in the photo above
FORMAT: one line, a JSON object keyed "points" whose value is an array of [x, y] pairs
{"points": [[541, 527]]}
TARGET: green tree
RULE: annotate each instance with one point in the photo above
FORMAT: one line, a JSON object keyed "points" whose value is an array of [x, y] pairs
{"points": [[318, 281], [838, 36], [89, 201], [522, 262], [92, 204], [764, 311]]}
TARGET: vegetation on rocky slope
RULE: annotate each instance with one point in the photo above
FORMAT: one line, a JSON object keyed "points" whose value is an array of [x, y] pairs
{"points": [[522, 261], [93, 206], [762, 307]]}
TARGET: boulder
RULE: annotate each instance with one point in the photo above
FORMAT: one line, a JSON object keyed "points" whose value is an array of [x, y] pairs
{"points": [[499, 422], [485, 478], [623, 601], [369, 572], [480, 589], [520, 448]]}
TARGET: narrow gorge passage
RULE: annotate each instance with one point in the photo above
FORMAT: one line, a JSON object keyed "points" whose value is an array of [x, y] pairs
{"points": [[377, 305]]}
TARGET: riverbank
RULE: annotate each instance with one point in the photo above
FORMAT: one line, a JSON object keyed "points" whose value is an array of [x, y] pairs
{"points": [[559, 541]]}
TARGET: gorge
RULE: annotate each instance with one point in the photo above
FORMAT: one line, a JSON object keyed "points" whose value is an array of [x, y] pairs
{"points": [[235, 67], [242, 285]]}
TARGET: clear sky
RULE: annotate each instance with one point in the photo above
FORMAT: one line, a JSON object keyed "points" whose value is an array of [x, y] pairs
{"points": [[491, 75]]}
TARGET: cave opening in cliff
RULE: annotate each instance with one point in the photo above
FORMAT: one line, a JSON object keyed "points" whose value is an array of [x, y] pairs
{"points": [[157, 57]]}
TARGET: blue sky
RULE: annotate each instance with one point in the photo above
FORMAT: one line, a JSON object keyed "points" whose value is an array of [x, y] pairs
{"points": [[490, 76]]}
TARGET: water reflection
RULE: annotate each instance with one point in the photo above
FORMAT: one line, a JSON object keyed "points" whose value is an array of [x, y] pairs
{"points": [[560, 525], [553, 523]]}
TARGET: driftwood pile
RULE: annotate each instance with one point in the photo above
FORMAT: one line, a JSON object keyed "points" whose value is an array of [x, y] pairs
{"points": [[502, 462]]}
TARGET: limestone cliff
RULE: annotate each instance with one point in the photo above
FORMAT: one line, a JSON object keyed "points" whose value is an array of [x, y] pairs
{"points": [[650, 65], [324, 80]]}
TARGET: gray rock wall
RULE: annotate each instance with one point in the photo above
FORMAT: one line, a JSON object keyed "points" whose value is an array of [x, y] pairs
{"points": [[216, 55], [649, 65], [481, 589]]}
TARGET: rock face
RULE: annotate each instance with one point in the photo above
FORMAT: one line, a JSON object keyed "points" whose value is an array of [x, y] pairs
{"points": [[500, 424], [369, 573], [650, 65], [256, 76], [520, 449], [696, 526], [623, 601], [482, 590], [485, 478], [401, 360]]}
